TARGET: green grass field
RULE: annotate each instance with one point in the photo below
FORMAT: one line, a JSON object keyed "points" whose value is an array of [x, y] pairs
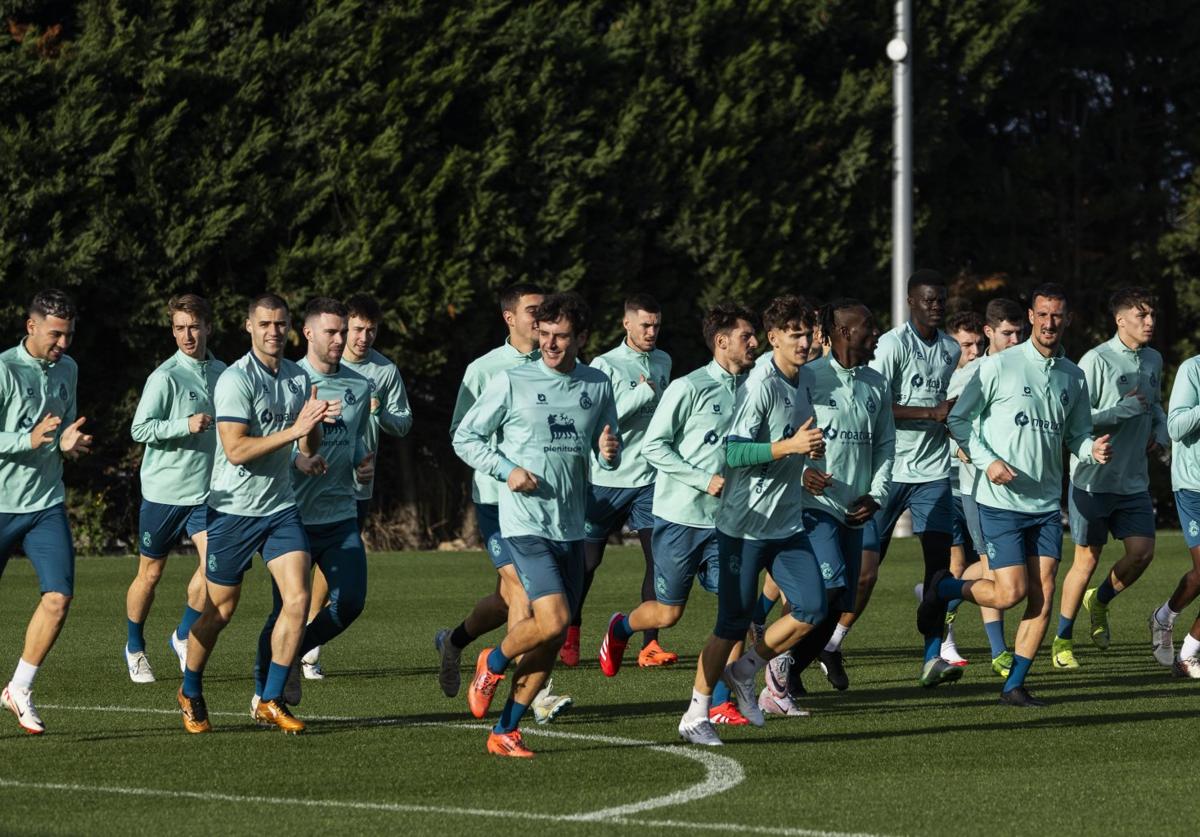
{"points": [[386, 752]]}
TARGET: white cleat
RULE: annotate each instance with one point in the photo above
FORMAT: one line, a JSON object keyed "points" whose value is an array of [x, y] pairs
{"points": [[139, 666], [1162, 642], [950, 654], [449, 673], [179, 646], [778, 672], [547, 706], [292, 687], [747, 697], [700, 732], [919, 590], [1188, 667], [310, 665], [20, 702], [772, 704]]}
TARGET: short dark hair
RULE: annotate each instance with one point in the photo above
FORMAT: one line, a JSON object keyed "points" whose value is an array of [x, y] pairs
{"points": [[325, 305], [568, 305], [1049, 290], [642, 302], [52, 302], [969, 321], [1003, 311], [192, 304], [785, 310], [1131, 297], [510, 297], [268, 300], [828, 314], [364, 307], [722, 318], [925, 277]]}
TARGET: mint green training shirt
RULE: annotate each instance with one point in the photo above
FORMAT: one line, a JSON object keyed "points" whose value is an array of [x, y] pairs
{"points": [[548, 423], [330, 497], [625, 366], [918, 375], [766, 502], [249, 393], [31, 480], [966, 471], [1027, 407], [685, 442], [1183, 424], [177, 464], [479, 373], [853, 409], [1112, 370], [394, 416]]}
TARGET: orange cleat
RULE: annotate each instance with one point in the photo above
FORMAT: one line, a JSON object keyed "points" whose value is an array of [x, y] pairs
{"points": [[483, 686], [508, 744], [569, 653], [655, 655], [727, 713], [195, 713], [276, 712]]}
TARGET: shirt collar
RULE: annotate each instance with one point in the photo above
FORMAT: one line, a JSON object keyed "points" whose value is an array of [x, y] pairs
{"points": [[513, 350], [191, 363], [632, 352], [30, 360], [1038, 358], [720, 374], [1118, 346], [931, 342]]}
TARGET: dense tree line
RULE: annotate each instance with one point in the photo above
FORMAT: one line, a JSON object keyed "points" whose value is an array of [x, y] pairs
{"points": [[432, 152]]}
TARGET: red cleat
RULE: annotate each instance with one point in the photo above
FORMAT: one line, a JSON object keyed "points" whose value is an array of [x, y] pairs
{"points": [[612, 650], [727, 713], [569, 653], [483, 686]]}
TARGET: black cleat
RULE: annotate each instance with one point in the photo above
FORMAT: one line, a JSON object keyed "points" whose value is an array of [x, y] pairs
{"points": [[931, 612], [1019, 696], [835, 669]]}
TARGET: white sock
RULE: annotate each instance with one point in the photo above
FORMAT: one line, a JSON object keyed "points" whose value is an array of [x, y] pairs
{"points": [[23, 677], [949, 640], [312, 656], [545, 690], [1191, 647], [749, 665], [698, 708], [1165, 616], [835, 641]]}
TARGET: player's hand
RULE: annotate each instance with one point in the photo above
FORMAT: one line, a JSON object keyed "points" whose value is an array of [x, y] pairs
{"points": [[522, 482], [963, 458], [808, 440], [642, 379], [312, 466], [815, 482], [43, 432], [74, 441], [861, 510], [333, 410], [716, 485], [1133, 393], [374, 405], [199, 422], [364, 471], [312, 414], [610, 444], [942, 410], [1000, 473], [1102, 449]]}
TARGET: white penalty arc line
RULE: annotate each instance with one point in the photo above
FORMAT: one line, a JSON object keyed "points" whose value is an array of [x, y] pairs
{"points": [[721, 774]]}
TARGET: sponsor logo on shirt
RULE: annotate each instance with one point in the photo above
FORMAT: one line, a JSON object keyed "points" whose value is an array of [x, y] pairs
{"points": [[1039, 424], [562, 427], [25, 423], [833, 403], [917, 381], [711, 437], [832, 433], [1123, 379], [541, 398], [1027, 391], [716, 408], [192, 395]]}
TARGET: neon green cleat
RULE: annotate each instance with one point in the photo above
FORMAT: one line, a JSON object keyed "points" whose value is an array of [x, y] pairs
{"points": [[1002, 664], [1099, 616], [1063, 654], [950, 615]]}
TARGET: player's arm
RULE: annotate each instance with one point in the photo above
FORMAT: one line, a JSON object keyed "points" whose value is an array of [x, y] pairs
{"points": [[1128, 404], [1183, 410], [19, 441], [1078, 429], [472, 438], [73, 442], [743, 451], [659, 443], [606, 434], [883, 455], [394, 415], [1158, 417], [151, 420], [962, 420], [628, 399], [234, 402]]}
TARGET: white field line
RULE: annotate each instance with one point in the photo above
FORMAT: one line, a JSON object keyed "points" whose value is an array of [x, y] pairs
{"points": [[721, 774]]}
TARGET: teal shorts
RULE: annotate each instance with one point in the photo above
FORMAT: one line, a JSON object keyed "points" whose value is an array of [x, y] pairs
{"points": [[681, 554], [162, 526], [233, 539], [1094, 514], [838, 548], [46, 539], [792, 564], [608, 509], [548, 568]]}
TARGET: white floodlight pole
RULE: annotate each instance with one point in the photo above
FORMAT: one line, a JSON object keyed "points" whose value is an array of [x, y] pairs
{"points": [[900, 52]]}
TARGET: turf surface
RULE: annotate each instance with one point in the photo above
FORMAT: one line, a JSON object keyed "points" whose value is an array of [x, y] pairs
{"points": [[394, 756]]}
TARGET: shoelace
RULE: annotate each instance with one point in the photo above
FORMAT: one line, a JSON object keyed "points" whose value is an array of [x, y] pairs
{"points": [[487, 682]]}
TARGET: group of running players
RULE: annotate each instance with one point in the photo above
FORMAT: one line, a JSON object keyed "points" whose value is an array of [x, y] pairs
{"points": [[768, 477]]}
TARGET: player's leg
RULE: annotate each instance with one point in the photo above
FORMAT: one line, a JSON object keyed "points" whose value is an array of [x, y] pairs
{"points": [[1089, 518], [767, 600], [962, 555], [291, 573], [310, 660], [1042, 535], [197, 589], [1162, 620], [1131, 517], [343, 559], [161, 527], [932, 510], [606, 511], [993, 619]]}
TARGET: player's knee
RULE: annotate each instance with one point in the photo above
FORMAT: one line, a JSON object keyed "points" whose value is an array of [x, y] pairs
{"points": [[151, 572], [669, 615], [1141, 558], [867, 578], [56, 605], [347, 608]]}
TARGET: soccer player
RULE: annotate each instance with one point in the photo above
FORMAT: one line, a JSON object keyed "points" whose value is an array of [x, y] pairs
{"points": [[327, 484], [760, 524], [549, 417], [1013, 419], [174, 420], [38, 428], [685, 442], [917, 360], [967, 329], [1183, 425], [262, 411], [390, 414], [852, 405], [639, 373], [1124, 377]]}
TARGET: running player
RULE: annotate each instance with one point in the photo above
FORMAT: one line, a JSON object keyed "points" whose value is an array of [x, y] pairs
{"points": [[966, 328], [851, 401], [917, 360], [685, 443], [639, 373], [174, 420], [549, 417], [38, 428], [326, 487], [1124, 377], [390, 414], [261, 412], [760, 524], [1013, 419]]}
